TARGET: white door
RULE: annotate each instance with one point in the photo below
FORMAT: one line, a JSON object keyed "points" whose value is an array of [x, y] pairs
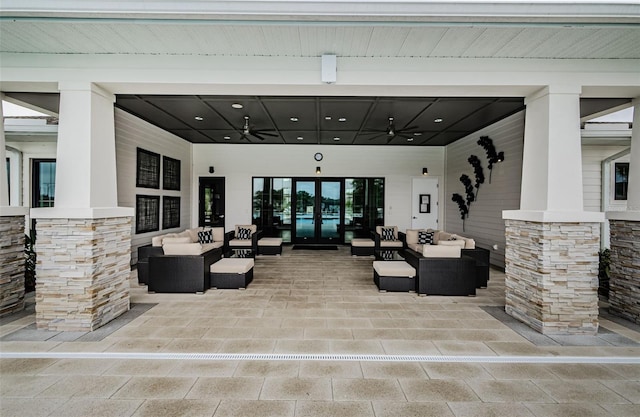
{"points": [[424, 203]]}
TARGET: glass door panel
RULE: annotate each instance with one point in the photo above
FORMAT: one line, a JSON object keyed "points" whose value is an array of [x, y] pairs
{"points": [[305, 210], [331, 210]]}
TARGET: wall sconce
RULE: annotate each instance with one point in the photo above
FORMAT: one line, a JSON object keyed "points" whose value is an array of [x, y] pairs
{"points": [[211, 170], [318, 170], [500, 156], [425, 171]]}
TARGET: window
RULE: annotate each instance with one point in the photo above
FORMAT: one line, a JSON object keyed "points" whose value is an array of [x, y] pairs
{"points": [[364, 206], [272, 206], [9, 179], [43, 182], [621, 180]]}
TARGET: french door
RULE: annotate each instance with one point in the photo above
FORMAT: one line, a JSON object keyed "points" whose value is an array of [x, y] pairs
{"points": [[319, 211]]}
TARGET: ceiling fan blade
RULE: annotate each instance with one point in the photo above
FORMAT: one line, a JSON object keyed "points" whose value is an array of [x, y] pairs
{"points": [[379, 135], [257, 135], [404, 129], [265, 133]]}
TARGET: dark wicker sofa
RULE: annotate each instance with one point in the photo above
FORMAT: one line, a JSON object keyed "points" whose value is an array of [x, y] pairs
{"points": [[443, 276]]}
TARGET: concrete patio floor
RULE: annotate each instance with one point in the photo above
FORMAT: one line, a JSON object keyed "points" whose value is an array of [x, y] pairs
{"points": [[312, 336]]}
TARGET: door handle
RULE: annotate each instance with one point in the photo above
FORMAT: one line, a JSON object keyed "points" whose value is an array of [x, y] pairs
{"points": [[414, 217]]}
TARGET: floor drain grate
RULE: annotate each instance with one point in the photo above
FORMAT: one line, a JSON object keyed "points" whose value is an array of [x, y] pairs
{"points": [[318, 357]]}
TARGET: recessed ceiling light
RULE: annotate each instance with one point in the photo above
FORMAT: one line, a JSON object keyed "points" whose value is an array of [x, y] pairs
{"points": [[438, 120], [417, 133], [300, 138], [227, 137], [199, 118], [409, 139], [327, 117], [293, 119], [342, 119], [336, 138], [237, 106]]}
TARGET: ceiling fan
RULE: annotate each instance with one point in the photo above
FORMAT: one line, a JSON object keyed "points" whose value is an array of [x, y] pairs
{"points": [[247, 131], [392, 131]]}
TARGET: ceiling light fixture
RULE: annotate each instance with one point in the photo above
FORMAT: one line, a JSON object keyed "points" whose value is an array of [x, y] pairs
{"points": [[300, 138], [417, 133], [237, 106], [409, 139], [438, 120], [342, 119], [336, 138], [199, 118], [425, 171], [227, 138], [293, 119], [318, 170], [327, 117]]}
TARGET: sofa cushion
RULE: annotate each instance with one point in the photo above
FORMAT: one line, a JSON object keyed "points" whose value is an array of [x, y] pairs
{"points": [[469, 243], [157, 240], [205, 236], [459, 243], [436, 236], [391, 244], [441, 251], [218, 234], [424, 237], [411, 235], [172, 240], [395, 231], [415, 246], [183, 249]]}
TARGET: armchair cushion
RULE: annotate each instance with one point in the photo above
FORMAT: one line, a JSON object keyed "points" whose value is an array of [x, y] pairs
{"points": [[243, 233], [387, 232], [252, 227]]}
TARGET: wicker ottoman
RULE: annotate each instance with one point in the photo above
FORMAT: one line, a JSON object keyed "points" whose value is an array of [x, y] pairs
{"points": [[231, 273], [270, 246], [362, 247], [394, 276]]}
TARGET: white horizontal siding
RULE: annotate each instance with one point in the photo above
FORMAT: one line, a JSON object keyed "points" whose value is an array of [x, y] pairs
{"points": [[132, 133], [485, 223]]}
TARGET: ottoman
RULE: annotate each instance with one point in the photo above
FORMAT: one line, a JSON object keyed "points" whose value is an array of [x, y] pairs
{"points": [[231, 273], [270, 246], [362, 247], [394, 276]]}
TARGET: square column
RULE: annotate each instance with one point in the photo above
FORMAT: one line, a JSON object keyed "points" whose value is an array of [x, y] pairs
{"points": [[84, 242], [624, 283], [83, 272], [552, 244]]}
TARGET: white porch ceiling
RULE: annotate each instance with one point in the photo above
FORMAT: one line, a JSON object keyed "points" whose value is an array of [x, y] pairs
{"points": [[304, 28], [300, 39]]}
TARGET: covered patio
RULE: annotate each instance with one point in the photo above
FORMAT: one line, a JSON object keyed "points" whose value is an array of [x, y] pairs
{"points": [[313, 336]]}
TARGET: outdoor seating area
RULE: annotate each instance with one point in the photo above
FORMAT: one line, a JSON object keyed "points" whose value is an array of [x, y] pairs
{"points": [[325, 304]]}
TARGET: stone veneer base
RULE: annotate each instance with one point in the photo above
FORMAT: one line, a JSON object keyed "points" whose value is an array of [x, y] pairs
{"points": [[12, 264], [82, 272], [551, 281], [624, 282]]}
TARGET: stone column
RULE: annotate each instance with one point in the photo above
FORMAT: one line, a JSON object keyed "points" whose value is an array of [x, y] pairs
{"points": [[552, 244], [83, 243], [624, 283]]}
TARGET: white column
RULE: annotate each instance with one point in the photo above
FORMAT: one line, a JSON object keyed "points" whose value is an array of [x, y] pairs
{"points": [[633, 194], [4, 189], [552, 159]]}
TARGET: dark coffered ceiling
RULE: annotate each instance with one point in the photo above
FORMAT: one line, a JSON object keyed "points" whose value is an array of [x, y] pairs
{"points": [[430, 121]]}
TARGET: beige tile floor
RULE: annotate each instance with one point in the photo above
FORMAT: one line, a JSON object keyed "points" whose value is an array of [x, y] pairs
{"points": [[322, 303]]}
